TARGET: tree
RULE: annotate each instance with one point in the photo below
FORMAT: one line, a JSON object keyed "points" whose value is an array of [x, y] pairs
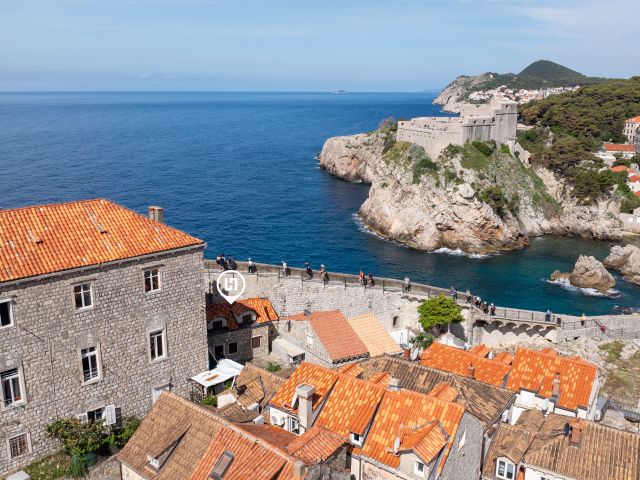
{"points": [[421, 341], [439, 311]]}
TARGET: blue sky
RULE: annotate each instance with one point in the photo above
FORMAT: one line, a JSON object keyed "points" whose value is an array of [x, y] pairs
{"points": [[357, 45]]}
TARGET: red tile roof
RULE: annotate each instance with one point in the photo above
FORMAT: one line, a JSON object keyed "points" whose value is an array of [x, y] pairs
{"points": [[46, 239], [480, 350], [352, 369], [308, 373], [374, 336], [316, 444], [535, 370], [619, 168], [444, 391], [456, 360], [619, 147], [333, 329], [504, 357], [634, 178], [426, 441], [260, 306], [634, 119]]}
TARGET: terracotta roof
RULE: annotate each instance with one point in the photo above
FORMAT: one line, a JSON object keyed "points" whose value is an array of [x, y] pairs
{"points": [[275, 436], [535, 370], [339, 339], [381, 378], [373, 335], [352, 369], [46, 239], [402, 409], [485, 402], [620, 147], [316, 444], [634, 119], [456, 360], [195, 438], [480, 350], [620, 168], [504, 357], [603, 452], [426, 441], [634, 178], [350, 406], [260, 306], [308, 373], [444, 391]]}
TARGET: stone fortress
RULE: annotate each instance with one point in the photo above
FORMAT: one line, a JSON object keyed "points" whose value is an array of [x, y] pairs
{"points": [[496, 121]]}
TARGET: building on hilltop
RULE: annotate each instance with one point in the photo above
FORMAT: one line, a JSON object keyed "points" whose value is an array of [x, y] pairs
{"points": [[495, 121], [241, 331], [632, 129], [101, 310]]}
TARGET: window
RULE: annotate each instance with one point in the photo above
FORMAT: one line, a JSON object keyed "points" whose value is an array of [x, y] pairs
{"points": [[6, 313], [247, 319], [395, 321], [95, 415], [156, 344], [107, 415], [152, 280], [505, 469], [418, 469], [82, 295], [11, 387], [19, 445], [255, 342], [218, 351], [294, 426], [233, 347], [356, 439], [90, 368]]}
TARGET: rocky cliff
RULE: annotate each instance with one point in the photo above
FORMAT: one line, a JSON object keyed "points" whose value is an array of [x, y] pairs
{"points": [[453, 94], [627, 260], [476, 198]]}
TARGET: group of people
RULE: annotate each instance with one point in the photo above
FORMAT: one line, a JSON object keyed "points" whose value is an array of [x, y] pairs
{"points": [[226, 263], [482, 305], [367, 281]]}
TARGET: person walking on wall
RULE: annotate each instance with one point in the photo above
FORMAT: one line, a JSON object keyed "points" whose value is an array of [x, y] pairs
{"points": [[370, 281], [469, 296], [308, 272], [324, 276], [407, 284], [454, 293], [547, 316], [361, 278], [251, 267], [285, 269]]}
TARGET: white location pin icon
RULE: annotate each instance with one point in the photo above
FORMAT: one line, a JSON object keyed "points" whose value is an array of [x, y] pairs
{"points": [[231, 285]]}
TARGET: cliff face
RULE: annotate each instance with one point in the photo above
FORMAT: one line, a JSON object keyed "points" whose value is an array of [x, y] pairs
{"points": [[627, 260], [466, 199], [452, 96]]}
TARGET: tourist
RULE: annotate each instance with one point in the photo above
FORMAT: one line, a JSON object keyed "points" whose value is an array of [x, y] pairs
{"points": [[231, 264], [492, 309], [251, 268], [603, 329], [285, 269], [454, 293], [478, 302], [324, 276], [583, 320], [469, 296], [361, 278], [547, 316], [407, 284], [308, 272], [485, 307], [370, 281]]}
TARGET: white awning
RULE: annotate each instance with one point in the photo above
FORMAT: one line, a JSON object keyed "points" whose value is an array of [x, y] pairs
{"points": [[225, 370], [288, 347]]}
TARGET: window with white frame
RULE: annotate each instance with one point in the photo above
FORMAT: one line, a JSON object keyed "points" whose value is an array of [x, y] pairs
{"points": [[152, 280], [6, 313], [19, 445], [157, 344], [505, 469], [11, 387], [294, 426], [90, 364], [96, 415], [418, 469], [106, 415], [356, 439], [82, 295]]}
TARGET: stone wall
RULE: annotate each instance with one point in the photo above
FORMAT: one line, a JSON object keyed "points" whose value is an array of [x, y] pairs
{"points": [[465, 461], [301, 334], [48, 334], [243, 337]]}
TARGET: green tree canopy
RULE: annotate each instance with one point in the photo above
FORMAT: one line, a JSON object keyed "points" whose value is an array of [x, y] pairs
{"points": [[422, 340], [438, 311]]}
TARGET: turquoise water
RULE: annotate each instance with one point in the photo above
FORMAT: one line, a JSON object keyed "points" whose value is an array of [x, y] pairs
{"points": [[239, 171]]}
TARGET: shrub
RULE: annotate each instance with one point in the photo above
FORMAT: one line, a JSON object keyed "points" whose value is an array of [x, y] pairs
{"points": [[78, 437], [486, 148], [273, 367], [210, 400], [421, 341], [495, 198]]}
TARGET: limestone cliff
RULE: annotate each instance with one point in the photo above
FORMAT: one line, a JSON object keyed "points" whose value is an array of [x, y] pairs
{"points": [[472, 198], [627, 260], [453, 94]]}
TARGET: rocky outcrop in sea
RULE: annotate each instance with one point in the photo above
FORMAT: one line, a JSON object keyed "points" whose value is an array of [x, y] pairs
{"points": [[588, 272], [627, 260]]}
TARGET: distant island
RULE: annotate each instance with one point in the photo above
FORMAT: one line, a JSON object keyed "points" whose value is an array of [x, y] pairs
{"points": [[339, 91]]}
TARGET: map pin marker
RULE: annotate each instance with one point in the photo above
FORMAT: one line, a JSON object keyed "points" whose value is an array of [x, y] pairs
{"points": [[230, 285]]}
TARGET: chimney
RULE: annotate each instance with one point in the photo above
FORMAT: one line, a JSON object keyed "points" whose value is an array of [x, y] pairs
{"points": [[406, 353], [156, 213], [555, 386], [305, 408], [394, 384], [575, 437], [299, 470], [471, 371]]}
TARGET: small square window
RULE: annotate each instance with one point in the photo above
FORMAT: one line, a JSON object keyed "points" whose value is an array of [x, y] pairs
{"points": [[83, 297], [19, 445], [95, 415], [90, 366], [11, 387], [152, 280], [505, 470], [418, 469], [157, 345], [255, 342], [6, 313], [233, 347]]}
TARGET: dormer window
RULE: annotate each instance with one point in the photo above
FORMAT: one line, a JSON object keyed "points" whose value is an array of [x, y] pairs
{"points": [[418, 469], [247, 319], [505, 469], [356, 439]]}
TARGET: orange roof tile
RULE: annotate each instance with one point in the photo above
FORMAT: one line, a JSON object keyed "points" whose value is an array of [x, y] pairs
{"points": [[535, 370], [260, 306], [620, 168], [456, 360], [373, 335], [404, 408], [308, 373], [352, 369], [350, 406], [637, 194], [444, 391], [316, 444], [619, 147], [504, 357], [480, 350], [381, 378], [634, 178], [426, 441], [46, 239], [339, 339], [634, 119]]}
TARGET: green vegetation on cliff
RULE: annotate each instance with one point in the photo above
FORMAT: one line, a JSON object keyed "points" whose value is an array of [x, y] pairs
{"points": [[413, 156], [570, 126]]}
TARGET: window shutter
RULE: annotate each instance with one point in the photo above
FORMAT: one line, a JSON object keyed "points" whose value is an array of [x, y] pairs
{"points": [[110, 415], [83, 417]]}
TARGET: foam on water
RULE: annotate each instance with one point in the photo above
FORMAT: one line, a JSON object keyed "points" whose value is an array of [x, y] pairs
{"points": [[589, 292]]}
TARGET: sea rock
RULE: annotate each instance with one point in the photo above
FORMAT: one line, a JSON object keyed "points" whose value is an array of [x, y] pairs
{"points": [[627, 260], [588, 272]]}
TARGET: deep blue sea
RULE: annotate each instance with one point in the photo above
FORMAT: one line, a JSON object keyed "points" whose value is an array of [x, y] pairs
{"points": [[239, 171]]}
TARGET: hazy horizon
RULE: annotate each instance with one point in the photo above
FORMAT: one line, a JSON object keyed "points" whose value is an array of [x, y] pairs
{"points": [[288, 46]]}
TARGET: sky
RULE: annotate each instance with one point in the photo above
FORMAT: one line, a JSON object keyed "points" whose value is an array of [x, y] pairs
{"points": [[304, 45]]}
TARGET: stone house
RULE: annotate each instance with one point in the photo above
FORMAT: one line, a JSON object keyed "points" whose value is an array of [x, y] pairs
{"points": [[632, 128], [101, 310], [240, 331], [325, 338]]}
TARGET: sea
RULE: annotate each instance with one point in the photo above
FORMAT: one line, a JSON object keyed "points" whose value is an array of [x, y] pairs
{"points": [[239, 170]]}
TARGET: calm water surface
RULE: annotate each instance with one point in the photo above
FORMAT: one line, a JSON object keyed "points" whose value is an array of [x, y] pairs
{"points": [[238, 170]]}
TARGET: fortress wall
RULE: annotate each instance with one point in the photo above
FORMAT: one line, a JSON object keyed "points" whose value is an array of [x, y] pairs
{"points": [[434, 139]]}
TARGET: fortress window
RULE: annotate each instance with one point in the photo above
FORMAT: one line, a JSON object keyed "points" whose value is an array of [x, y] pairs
{"points": [[395, 321]]}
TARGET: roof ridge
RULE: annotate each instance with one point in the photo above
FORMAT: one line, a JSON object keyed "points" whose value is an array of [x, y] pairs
{"points": [[56, 204]]}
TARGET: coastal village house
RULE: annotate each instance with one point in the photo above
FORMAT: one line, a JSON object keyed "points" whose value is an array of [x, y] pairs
{"points": [[101, 310], [632, 130], [241, 331], [542, 379]]}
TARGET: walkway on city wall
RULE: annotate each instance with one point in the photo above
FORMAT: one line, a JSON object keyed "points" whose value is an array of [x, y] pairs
{"points": [[615, 326]]}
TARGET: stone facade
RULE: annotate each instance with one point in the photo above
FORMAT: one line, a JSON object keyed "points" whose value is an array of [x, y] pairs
{"points": [[48, 333], [301, 334], [241, 345], [466, 455], [495, 121]]}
